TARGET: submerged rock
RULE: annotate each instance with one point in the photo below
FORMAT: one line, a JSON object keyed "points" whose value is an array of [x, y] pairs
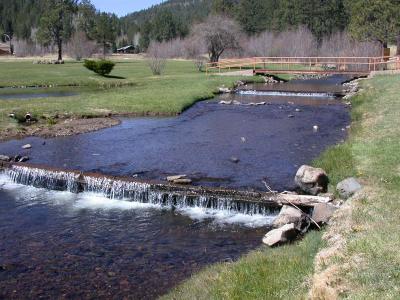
{"points": [[348, 187], [27, 146], [312, 180], [281, 235], [234, 159]]}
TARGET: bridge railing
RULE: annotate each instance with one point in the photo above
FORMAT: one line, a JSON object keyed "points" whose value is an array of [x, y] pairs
{"points": [[362, 65]]}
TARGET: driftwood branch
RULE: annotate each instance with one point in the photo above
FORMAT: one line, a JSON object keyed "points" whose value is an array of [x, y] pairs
{"points": [[299, 200]]}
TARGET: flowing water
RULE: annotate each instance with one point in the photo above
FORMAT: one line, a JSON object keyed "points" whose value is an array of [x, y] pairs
{"points": [[116, 239]]}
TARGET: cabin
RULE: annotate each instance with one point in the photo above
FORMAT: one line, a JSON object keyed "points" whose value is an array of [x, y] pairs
{"points": [[126, 49]]}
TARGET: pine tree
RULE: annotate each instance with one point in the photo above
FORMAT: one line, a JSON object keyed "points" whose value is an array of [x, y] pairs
{"points": [[56, 23], [105, 31], [374, 20]]}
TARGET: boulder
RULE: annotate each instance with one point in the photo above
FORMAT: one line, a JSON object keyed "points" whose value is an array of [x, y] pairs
{"points": [[225, 102], [234, 159], [4, 158], [287, 215], [183, 181], [175, 177], [291, 215], [311, 180], [281, 235], [27, 146], [323, 212], [348, 187], [224, 90], [23, 159]]}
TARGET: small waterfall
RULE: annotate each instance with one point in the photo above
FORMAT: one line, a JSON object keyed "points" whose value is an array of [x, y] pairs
{"points": [[40, 178], [286, 94], [163, 195]]}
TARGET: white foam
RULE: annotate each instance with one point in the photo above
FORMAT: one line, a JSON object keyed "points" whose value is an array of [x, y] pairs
{"points": [[227, 217], [97, 201], [29, 195], [285, 94]]}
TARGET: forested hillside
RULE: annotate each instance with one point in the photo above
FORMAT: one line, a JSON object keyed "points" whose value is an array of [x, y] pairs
{"points": [[22, 19]]}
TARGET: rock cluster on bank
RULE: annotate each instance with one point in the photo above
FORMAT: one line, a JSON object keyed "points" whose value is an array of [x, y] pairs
{"points": [[294, 221]]}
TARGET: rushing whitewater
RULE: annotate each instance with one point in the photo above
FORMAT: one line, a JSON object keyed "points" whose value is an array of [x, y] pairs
{"points": [[139, 192], [286, 94]]}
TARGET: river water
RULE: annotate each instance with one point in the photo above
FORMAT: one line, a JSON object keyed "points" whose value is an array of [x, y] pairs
{"points": [[65, 245]]}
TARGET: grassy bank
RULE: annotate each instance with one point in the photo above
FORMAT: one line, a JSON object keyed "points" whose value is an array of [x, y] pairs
{"points": [[131, 90], [368, 266], [266, 273]]}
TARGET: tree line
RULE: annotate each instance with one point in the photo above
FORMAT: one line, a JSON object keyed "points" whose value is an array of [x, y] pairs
{"points": [[54, 22]]}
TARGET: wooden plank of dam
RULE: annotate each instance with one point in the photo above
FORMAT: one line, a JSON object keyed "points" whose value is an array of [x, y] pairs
{"points": [[357, 66], [266, 198]]}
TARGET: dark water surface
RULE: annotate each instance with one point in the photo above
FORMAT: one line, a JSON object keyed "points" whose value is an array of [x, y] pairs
{"points": [[271, 141], [62, 245]]}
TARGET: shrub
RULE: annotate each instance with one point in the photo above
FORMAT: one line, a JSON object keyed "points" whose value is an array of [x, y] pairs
{"points": [[101, 67]]}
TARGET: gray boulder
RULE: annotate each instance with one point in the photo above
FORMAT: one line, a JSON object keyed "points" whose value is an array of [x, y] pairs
{"points": [[323, 212], [281, 235], [348, 187], [287, 215], [311, 180], [224, 90], [4, 158], [175, 177]]}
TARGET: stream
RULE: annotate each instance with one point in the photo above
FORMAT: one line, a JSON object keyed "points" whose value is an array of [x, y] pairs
{"points": [[58, 244]]}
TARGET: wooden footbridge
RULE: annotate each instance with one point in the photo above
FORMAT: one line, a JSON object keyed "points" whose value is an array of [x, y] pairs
{"points": [[359, 66]]}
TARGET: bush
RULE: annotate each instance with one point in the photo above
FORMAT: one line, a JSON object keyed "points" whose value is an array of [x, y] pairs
{"points": [[101, 67]]}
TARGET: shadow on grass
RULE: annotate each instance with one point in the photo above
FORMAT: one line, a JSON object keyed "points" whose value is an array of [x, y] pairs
{"points": [[114, 77]]}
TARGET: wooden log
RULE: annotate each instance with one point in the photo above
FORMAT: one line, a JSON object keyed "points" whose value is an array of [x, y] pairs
{"points": [[298, 200]]}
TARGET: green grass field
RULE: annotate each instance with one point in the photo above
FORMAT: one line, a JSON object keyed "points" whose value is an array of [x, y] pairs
{"points": [[369, 266], [138, 93]]}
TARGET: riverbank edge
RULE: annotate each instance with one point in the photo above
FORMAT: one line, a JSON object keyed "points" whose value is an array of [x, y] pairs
{"points": [[75, 124], [360, 260], [301, 277]]}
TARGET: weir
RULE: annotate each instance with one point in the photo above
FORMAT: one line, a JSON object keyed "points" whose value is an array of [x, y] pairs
{"points": [[289, 94], [158, 193]]}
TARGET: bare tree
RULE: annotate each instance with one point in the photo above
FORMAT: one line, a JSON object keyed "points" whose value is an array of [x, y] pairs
{"points": [[219, 34], [80, 46], [290, 43], [156, 58], [195, 49], [341, 44]]}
